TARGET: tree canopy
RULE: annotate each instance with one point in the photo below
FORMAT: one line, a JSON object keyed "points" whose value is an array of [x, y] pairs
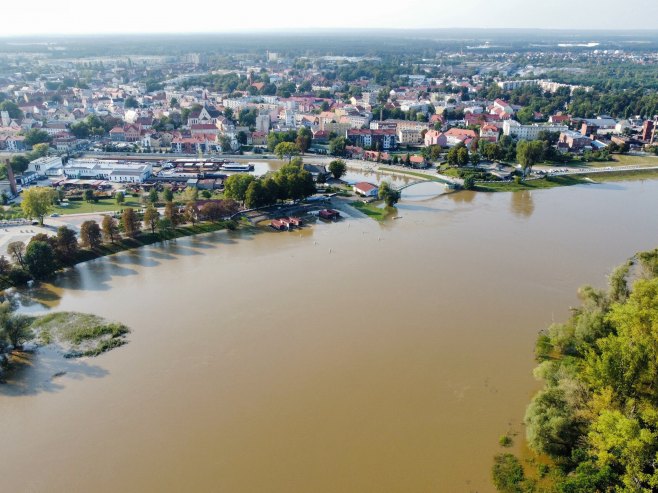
{"points": [[37, 202], [597, 414]]}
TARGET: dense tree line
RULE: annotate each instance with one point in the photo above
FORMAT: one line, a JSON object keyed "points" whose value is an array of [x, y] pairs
{"points": [[290, 182], [596, 417], [619, 103]]}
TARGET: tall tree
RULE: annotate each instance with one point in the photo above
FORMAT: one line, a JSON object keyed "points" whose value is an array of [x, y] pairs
{"points": [[90, 234], [191, 212], [337, 168], [529, 153], [151, 217], [66, 245], [286, 150], [389, 195], [168, 194], [110, 229], [40, 259], [16, 249], [130, 221], [37, 202], [171, 213], [337, 146], [235, 186]]}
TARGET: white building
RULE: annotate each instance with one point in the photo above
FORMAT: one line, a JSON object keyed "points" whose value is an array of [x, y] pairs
{"points": [[97, 169], [46, 166], [529, 132]]}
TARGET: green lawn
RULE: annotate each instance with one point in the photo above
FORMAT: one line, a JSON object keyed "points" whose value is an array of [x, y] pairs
{"points": [[372, 210], [626, 160], [103, 205], [640, 174]]}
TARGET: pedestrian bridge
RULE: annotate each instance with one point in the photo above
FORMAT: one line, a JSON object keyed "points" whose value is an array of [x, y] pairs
{"points": [[445, 185]]}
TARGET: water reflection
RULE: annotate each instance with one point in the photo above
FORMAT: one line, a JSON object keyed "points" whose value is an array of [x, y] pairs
{"points": [[423, 191], [464, 196], [522, 203], [28, 378]]}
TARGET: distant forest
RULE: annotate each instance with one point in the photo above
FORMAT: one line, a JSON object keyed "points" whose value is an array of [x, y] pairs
{"points": [[366, 42]]}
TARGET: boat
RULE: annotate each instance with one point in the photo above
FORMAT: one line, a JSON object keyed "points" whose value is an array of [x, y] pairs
{"points": [[237, 167]]}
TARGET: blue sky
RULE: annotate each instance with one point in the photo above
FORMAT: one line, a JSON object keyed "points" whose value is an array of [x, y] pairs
{"points": [[84, 16]]}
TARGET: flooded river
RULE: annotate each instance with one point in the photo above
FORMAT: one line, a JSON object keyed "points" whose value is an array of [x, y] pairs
{"points": [[349, 357]]}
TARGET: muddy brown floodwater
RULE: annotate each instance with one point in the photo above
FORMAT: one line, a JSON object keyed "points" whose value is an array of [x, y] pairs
{"points": [[348, 357]]}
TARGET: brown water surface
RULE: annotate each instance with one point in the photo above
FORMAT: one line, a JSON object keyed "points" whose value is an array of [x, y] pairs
{"points": [[350, 357]]}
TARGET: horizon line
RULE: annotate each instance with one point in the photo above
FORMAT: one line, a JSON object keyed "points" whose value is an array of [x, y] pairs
{"points": [[312, 30]]}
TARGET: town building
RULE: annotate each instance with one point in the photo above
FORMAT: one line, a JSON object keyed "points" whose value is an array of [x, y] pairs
{"points": [[514, 129], [98, 169], [46, 166], [367, 138], [366, 189]]}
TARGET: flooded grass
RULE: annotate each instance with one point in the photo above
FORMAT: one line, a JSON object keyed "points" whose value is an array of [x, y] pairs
{"points": [[83, 334], [372, 210]]}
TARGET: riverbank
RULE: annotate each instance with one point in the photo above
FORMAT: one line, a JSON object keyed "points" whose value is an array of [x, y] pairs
{"points": [[145, 238], [140, 240]]}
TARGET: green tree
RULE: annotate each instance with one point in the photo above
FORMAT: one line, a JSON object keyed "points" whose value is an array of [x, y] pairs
{"points": [[525, 115], [165, 227], [235, 186], [19, 164], [256, 195], [66, 245], [153, 196], [120, 198], [36, 136], [16, 249], [39, 150], [529, 153], [286, 150], [469, 182], [89, 195], [190, 194], [130, 102], [389, 195], [90, 234], [168, 194], [11, 108], [40, 259], [337, 146], [462, 156], [171, 212], [17, 330], [37, 202], [337, 168]]}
